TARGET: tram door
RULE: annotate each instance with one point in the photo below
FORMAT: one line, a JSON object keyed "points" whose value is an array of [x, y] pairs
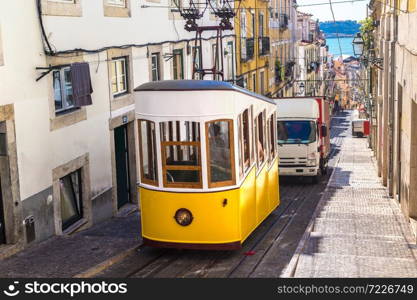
{"points": [[2, 231], [122, 165]]}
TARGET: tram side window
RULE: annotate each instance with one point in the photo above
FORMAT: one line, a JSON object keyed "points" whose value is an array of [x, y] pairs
{"points": [[272, 138], [148, 162], [239, 124], [220, 157], [181, 161], [260, 138], [246, 140], [251, 136]]}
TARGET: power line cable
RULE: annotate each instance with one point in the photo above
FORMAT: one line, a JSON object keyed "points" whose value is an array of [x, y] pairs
{"points": [[337, 32]]}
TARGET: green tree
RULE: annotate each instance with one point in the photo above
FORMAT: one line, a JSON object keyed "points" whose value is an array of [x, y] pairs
{"points": [[367, 27]]}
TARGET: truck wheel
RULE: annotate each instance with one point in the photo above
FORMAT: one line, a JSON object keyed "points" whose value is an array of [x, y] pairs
{"points": [[323, 167], [324, 170], [360, 135]]}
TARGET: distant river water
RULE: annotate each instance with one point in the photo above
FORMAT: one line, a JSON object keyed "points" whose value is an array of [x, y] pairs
{"points": [[345, 44]]}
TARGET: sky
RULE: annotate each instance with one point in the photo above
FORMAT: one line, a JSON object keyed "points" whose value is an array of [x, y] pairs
{"points": [[343, 11]]}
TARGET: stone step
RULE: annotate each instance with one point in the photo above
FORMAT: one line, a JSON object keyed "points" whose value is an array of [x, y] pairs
{"points": [[351, 194], [358, 209], [355, 216], [329, 265], [345, 182], [361, 225], [358, 245]]}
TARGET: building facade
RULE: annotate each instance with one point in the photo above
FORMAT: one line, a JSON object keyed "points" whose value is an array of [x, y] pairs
{"points": [[283, 20], [68, 139], [311, 56], [394, 90], [253, 46]]}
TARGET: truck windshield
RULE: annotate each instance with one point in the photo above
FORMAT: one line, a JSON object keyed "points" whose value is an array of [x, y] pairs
{"points": [[296, 132]]}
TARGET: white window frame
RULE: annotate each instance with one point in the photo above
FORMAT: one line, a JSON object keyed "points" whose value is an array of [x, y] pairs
{"points": [[157, 55], [117, 75], [118, 3], [63, 90], [197, 62], [243, 35]]}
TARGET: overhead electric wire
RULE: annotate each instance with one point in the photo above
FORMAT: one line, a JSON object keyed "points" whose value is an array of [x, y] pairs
{"points": [[44, 36], [325, 3], [337, 33]]}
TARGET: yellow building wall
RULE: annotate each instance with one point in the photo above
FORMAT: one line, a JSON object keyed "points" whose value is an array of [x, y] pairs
{"points": [[258, 63], [411, 5], [281, 52]]}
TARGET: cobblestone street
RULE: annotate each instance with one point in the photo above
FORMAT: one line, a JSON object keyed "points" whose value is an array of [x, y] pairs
{"points": [[358, 231]]}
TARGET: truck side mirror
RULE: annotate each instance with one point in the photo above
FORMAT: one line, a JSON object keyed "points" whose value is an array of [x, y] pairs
{"points": [[323, 131]]}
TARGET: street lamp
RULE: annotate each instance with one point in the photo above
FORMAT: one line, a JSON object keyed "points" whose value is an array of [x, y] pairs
{"points": [[358, 45]]}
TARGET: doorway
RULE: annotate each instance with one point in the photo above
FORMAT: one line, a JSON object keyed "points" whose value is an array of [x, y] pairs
{"points": [[262, 83], [122, 165], [2, 225]]}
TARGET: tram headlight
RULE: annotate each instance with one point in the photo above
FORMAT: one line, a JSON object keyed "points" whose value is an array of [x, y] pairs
{"points": [[183, 216]]}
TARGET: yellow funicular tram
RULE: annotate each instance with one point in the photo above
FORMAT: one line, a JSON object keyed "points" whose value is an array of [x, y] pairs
{"points": [[208, 163]]}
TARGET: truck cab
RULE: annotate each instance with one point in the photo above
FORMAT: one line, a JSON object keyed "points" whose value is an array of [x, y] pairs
{"points": [[303, 142]]}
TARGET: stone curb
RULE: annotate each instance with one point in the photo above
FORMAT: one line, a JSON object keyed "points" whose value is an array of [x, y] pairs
{"points": [[90, 273]]}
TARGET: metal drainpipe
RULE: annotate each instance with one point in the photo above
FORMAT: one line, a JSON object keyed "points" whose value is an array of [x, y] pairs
{"points": [[369, 91], [392, 97]]}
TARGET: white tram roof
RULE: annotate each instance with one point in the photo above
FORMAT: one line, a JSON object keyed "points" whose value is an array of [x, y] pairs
{"points": [[197, 85], [196, 98]]}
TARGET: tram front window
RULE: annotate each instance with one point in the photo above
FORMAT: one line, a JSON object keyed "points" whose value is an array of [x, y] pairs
{"points": [[181, 161], [220, 149], [296, 132]]}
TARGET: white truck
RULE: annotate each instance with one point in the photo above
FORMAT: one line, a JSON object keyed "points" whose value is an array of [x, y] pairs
{"points": [[303, 136]]}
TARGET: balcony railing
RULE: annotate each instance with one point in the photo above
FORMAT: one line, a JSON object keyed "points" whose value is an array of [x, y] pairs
{"points": [[278, 72], [283, 21], [264, 45], [313, 66], [247, 49], [289, 69]]}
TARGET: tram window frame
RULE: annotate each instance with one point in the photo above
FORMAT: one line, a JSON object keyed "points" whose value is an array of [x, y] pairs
{"points": [[245, 142], [247, 161], [272, 137], [251, 137], [176, 134], [240, 145], [154, 153], [224, 183], [260, 138]]}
